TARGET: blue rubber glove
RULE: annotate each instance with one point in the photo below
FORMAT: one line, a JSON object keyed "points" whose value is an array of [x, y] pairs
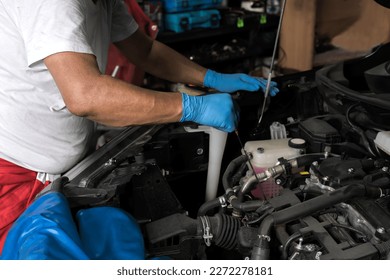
{"points": [[235, 82], [216, 110]]}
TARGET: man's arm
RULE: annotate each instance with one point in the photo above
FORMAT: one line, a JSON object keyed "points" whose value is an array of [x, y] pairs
{"points": [[164, 62], [160, 60], [88, 93], [109, 101]]}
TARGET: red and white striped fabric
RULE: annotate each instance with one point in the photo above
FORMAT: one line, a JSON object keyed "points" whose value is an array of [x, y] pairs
{"points": [[18, 188]]}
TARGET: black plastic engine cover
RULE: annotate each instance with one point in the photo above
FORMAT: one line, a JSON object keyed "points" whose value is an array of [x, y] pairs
{"points": [[317, 133]]}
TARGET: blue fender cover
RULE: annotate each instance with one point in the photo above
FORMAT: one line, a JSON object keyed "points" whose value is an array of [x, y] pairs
{"points": [[109, 233], [47, 231]]}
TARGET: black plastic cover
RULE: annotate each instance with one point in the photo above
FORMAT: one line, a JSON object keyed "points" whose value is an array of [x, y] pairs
{"points": [[317, 133]]}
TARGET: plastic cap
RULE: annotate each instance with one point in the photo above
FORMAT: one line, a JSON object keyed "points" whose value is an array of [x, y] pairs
{"points": [[297, 143]]}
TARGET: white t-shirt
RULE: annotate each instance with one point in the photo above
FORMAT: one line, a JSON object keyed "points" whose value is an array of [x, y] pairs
{"points": [[36, 129]]}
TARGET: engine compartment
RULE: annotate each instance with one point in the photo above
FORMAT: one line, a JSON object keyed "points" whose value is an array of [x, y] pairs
{"points": [[312, 181]]}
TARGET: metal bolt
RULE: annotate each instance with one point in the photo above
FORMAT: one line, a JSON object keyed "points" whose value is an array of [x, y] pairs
{"points": [[315, 163], [260, 150], [351, 170], [299, 246], [380, 230], [278, 181], [326, 178], [110, 162], [199, 151]]}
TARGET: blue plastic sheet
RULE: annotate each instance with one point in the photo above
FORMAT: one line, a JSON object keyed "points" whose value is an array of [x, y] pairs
{"points": [[47, 231]]}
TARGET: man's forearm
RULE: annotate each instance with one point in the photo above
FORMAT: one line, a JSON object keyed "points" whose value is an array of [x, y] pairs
{"points": [[160, 60], [116, 103], [173, 66], [109, 101]]}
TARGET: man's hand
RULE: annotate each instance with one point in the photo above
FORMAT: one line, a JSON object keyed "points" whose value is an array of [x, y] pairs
{"points": [[235, 82], [216, 110]]}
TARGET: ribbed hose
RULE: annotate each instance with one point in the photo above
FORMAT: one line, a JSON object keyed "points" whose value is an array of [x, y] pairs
{"points": [[224, 230], [227, 235]]}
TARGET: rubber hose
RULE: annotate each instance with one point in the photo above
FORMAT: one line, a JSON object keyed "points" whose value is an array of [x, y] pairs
{"points": [[209, 205], [227, 181], [318, 203], [224, 229], [247, 206]]}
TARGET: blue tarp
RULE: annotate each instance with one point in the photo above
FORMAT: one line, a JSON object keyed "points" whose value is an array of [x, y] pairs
{"points": [[47, 231]]}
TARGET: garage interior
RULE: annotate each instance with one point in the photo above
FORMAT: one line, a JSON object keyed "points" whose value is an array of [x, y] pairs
{"points": [[305, 176]]}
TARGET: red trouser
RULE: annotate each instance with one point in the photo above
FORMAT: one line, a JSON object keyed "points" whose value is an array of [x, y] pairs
{"points": [[18, 188]]}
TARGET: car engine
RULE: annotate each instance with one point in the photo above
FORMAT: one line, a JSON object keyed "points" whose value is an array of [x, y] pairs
{"points": [[310, 182]]}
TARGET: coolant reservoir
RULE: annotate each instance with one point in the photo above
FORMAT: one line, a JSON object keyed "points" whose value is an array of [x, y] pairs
{"points": [[265, 154]]}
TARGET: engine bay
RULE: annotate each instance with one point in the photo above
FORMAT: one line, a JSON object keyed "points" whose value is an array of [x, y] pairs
{"points": [[310, 182]]}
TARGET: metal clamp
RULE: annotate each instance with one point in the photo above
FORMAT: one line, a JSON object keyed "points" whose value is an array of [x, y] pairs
{"points": [[207, 236], [222, 201], [266, 237]]}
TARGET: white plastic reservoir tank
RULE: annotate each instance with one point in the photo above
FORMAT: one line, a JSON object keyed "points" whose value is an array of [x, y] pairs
{"points": [[265, 154]]}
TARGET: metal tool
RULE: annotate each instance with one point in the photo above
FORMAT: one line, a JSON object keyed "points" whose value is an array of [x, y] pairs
{"points": [[271, 68], [266, 92], [268, 87]]}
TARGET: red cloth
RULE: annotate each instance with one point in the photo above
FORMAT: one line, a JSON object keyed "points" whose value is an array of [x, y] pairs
{"points": [[18, 188], [127, 71]]}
